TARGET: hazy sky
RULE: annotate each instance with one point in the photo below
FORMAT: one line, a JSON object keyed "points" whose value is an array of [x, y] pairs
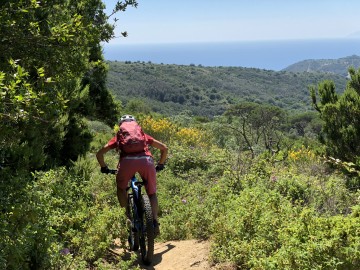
{"points": [[177, 21]]}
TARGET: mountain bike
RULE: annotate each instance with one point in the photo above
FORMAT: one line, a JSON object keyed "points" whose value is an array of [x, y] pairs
{"points": [[141, 233]]}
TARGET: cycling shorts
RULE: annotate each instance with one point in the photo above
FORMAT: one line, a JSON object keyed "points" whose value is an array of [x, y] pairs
{"points": [[144, 165]]}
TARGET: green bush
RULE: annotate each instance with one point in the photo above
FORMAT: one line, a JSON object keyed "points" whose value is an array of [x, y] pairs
{"points": [[312, 242], [69, 219], [211, 161], [273, 234], [248, 229]]}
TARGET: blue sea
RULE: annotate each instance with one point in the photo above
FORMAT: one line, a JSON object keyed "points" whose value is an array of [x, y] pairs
{"points": [[270, 55]]}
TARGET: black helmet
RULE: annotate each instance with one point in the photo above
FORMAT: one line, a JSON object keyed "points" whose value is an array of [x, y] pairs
{"points": [[126, 118]]}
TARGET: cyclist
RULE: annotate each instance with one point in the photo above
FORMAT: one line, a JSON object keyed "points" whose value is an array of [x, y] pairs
{"points": [[141, 163]]}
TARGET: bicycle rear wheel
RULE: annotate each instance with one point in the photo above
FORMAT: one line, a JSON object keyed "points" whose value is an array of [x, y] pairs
{"points": [[146, 236], [133, 234]]}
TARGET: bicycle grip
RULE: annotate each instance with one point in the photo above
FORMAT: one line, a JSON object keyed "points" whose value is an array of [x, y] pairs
{"points": [[112, 171]]}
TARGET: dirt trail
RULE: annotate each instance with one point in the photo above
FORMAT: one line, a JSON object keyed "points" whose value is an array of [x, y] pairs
{"points": [[180, 255]]}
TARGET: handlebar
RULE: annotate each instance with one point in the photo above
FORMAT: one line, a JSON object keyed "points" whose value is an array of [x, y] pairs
{"points": [[114, 171], [111, 171]]}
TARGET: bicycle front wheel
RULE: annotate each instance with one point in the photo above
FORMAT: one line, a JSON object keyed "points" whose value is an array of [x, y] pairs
{"points": [[147, 234]]}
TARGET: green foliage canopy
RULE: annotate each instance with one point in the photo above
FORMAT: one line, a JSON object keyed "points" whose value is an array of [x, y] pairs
{"points": [[341, 116], [52, 74]]}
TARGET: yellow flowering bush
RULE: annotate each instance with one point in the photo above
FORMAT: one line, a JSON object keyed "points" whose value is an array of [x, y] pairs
{"points": [[166, 131], [161, 129], [190, 136], [304, 154]]}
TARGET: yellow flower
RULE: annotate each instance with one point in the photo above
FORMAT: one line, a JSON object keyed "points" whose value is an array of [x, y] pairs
{"points": [[161, 129], [190, 136], [302, 154]]}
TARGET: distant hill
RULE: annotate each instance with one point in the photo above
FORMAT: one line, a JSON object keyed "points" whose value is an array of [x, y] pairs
{"points": [[208, 91], [337, 66]]}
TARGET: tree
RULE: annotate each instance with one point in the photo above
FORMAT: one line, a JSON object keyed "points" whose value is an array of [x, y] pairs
{"points": [[52, 74], [307, 122], [257, 126], [100, 104], [341, 116]]}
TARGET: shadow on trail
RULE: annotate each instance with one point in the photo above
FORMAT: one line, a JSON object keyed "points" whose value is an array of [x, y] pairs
{"points": [[125, 254], [156, 259]]}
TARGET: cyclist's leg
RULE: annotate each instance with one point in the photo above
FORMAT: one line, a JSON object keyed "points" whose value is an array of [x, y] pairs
{"points": [[155, 210], [126, 170], [148, 173], [154, 205], [121, 195]]}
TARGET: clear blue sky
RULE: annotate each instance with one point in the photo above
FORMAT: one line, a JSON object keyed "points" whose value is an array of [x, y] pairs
{"points": [[178, 21]]}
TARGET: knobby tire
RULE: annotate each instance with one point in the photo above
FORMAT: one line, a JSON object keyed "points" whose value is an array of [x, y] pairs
{"points": [[147, 236], [133, 234]]}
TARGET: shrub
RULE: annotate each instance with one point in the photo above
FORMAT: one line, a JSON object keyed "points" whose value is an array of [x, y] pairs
{"points": [[313, 242], [248, 229], [161, 129], [69, 220], [182, 159]]}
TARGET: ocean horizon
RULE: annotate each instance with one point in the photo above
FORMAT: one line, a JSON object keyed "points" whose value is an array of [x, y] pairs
{"points": [[270, 55]]}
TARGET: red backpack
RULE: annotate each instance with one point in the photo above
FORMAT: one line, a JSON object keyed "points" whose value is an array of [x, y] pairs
{"points": [[131, 138]]}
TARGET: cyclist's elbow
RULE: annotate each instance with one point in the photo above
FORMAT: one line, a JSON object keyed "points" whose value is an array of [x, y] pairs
{"points": [[159, 145], [99, 155], [165, 150], [102, 151]]}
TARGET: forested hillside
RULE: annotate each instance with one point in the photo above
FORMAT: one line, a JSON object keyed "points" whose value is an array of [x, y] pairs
{"points": [[209, 91], [335, 66]]}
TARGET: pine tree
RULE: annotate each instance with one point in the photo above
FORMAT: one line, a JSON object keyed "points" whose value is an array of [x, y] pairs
{"points": [[341, 116]]}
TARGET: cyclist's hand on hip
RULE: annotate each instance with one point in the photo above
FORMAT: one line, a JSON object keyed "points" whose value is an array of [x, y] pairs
{"points": [[159, 167]]}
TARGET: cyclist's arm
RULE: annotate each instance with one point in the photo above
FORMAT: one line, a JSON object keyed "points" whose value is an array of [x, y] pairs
{"points": [[163, 150], [100, 154]]}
